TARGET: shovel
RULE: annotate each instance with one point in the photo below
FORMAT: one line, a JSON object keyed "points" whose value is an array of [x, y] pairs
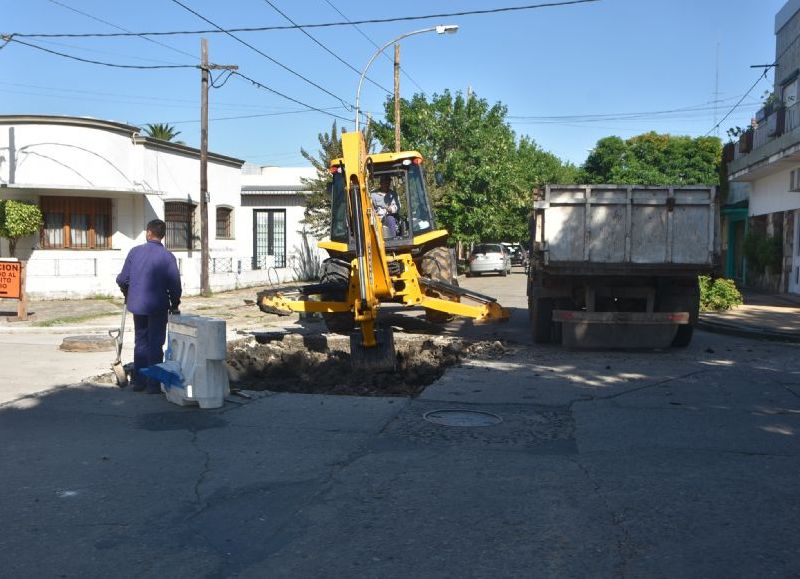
{"points": [[117, 335]]}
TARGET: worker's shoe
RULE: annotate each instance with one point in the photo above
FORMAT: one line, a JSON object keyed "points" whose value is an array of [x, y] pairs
{"points": [[138, 386]]}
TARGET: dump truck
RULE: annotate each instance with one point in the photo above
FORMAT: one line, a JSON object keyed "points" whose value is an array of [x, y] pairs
{"points": [[370, 264], [617, 266]]}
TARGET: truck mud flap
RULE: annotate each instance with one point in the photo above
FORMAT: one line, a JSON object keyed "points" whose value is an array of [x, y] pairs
{"points": [[619, 330]]}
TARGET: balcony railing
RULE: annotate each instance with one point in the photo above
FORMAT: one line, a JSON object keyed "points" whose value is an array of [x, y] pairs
{"points": [[770, 127]]}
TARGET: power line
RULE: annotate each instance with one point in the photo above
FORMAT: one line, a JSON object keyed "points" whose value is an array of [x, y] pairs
{"points": [[709, 106], [375, 44], [254, 116], [320, 25], [87, 15], [89, 61], [294, 100], [326, 49], [265, 55], [715, 127]]}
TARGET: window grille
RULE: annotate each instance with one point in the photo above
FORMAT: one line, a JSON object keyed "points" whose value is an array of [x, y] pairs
{"points": [[224, 217], [269, 237], [179, 217]]}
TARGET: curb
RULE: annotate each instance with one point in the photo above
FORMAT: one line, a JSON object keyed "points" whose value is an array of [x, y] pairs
{"points": [[754, 333]]}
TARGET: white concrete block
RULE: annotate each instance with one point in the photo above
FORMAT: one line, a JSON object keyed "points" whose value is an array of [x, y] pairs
{"points": [[198, 344]]}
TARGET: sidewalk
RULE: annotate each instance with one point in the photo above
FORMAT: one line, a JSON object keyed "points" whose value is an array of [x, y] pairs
{"points": [[762, 316]]}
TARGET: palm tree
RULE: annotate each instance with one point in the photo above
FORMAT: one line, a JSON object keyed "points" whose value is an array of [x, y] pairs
{"points": [[162, 131]]}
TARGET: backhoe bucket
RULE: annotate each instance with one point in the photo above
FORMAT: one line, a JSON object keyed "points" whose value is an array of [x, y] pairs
{"points": [[379, 358]]}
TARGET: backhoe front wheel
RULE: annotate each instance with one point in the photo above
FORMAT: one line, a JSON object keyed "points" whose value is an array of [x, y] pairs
{"points": [[438, 265], [336, 274]]}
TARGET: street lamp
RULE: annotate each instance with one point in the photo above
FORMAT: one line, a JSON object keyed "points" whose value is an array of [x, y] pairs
{"points": [[440, 29]]}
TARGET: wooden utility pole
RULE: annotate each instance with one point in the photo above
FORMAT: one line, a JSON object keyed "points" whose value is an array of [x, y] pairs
{"points": [[397, 97], [205, 288]]}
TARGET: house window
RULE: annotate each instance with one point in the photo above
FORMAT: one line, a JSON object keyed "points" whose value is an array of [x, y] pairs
{"points": [[179, 217], [224, 223], [76, 223], [794, 180]]}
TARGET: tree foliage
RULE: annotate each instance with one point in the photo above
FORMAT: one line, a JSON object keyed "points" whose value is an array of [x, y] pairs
{"points": [[479, 175], [654, 159], [18, 219], [162, 131]]}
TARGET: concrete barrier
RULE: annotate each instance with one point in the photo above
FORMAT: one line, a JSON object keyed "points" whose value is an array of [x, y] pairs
{"points": [[198, 344]]}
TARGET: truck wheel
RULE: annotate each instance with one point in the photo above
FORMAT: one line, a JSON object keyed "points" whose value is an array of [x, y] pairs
{"points": [[337, 273], [437, 264], [503, 272], [540, 311]]}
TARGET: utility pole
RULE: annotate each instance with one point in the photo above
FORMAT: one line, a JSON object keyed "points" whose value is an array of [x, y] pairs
{"points": [[205, 288], [397, 97]]}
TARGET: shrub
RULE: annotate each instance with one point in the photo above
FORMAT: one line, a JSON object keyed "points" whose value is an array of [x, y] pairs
{"points": [[718, 295], [18, 219]]}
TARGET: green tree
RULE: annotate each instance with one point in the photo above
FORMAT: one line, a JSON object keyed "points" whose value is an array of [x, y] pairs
{"points": [[162, 131], [485, 175], [654, 159], [18, 219]]}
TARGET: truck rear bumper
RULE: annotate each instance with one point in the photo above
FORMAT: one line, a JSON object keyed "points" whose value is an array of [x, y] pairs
{"points": [[624, 330]]}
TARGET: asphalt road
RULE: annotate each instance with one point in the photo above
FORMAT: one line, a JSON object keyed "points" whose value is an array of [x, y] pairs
{"points": [[675, 463]]}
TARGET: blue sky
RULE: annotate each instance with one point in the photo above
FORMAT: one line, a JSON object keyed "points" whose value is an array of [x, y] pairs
{"points": [[552, 67]]}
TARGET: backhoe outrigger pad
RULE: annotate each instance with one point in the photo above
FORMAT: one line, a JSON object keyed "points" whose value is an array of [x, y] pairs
{"points": [[379, 358]]}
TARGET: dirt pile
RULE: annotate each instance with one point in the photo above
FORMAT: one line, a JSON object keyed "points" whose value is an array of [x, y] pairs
{"points": [[321, 365]]}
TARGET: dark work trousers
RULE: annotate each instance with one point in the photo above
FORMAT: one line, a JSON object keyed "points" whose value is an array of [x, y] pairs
{"points": [[150, 333]]}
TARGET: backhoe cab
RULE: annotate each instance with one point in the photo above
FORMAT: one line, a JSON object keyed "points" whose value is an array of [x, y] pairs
{"points": [[375, 259]]}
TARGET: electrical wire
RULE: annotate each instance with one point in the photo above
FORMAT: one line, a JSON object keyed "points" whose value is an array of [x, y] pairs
{"points": [[98, 62], [326, 49], [213, 84], [240, 117], [320, 25], [715, 127], [375, 44], [287, 97], [87, 15], [265, 55]]}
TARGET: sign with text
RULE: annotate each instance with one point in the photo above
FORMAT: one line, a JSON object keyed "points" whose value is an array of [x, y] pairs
{"points": [[10, 277]]}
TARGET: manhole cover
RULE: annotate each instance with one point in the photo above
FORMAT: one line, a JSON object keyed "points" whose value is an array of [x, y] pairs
{"points": [[467, 418]]}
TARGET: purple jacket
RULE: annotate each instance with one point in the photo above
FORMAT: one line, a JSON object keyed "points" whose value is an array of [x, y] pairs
{"points": [[150, 279]]}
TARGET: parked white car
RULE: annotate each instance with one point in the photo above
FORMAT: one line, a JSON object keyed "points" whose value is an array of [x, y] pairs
{"points": [[489, 258]]}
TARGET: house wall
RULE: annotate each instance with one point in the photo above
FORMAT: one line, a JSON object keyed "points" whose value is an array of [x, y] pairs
{"points": [[787, 29], [771, 193], [77, 157]]}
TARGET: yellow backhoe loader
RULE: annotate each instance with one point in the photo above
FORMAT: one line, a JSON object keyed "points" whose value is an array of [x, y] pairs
{"points": [[371, 262]]}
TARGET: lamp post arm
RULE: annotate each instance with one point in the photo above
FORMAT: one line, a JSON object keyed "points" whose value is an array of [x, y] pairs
{"points": [[379, 51]]}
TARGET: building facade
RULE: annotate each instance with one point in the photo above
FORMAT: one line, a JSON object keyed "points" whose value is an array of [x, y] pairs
{"points": [[98, 183], [766, 163]]}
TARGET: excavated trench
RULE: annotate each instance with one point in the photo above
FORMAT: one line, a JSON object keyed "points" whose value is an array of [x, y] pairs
{"points": [[320, 364]]}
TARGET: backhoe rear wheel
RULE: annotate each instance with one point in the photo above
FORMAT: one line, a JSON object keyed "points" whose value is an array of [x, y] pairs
{"points": [[336, 272], [438, 265]]}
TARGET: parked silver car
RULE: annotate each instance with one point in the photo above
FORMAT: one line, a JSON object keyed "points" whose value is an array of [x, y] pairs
{"points": [[489, 258]]}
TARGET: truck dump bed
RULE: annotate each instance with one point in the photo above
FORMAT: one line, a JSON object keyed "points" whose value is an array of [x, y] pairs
{"points": [[619, 229]]}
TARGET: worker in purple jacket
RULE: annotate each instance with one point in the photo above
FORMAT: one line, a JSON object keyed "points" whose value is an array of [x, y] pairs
{"points": [[151, 284]]}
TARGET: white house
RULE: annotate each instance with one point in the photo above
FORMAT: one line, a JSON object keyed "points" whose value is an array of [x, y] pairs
{"points": [[99, 182]]}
